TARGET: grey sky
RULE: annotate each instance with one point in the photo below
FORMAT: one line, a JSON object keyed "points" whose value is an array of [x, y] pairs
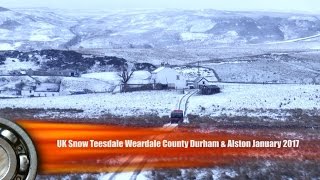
{"points": [[274, 5]]}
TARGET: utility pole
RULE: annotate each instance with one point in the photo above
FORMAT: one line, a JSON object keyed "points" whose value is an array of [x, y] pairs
{"points": [[199, 68]]}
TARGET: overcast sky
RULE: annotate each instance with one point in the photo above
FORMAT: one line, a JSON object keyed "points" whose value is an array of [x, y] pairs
{"points": [[274, 5]]}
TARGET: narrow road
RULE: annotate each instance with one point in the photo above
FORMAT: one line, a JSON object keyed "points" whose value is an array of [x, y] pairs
{"points": [[183, 103]]}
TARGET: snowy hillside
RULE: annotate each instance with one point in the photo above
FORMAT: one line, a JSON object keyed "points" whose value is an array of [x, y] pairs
{"points": [[26, 29], [32, 31], [57, 60]]}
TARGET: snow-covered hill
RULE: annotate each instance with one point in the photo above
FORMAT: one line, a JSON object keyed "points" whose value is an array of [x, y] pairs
{"points": [[20, 30], [58, 60], [26, 29]]}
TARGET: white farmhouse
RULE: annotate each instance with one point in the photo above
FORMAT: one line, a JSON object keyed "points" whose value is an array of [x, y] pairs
{"points": [[168, 76]]}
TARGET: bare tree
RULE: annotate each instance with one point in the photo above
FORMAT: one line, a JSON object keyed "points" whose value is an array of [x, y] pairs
{"points": [[20, 85], [125, 75]]}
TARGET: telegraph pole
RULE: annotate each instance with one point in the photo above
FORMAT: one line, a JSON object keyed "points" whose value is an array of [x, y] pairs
{"points": [[199, 68]]}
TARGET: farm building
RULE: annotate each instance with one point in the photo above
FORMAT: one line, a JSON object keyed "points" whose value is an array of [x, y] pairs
{"points": [[41, 90], [168, 76], [199, 82], [209, 89], [140, 77]]}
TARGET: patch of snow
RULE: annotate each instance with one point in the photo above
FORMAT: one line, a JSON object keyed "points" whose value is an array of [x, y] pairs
{"points": [[303, 18], [191, 73], [201, 26], [315, 47], [159, 69], [187, 36], [216, 174], [6, 46], [12, 64], [140, 77], [236, 97], [111, 77], [158, 103], [232, 33], [119, 176], [228, 37], [71, 85], [296, 39], [17, 45], [39, 37], [231, 174], [122, 175]]}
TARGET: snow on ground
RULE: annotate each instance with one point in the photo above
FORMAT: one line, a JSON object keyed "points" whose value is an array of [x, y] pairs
{"points": [[316, 47], [6, 46], [295, 40], [191, 73], [72, 85], [119, 176], [187, 36], [122, 176], [268, 71], [39, 37], [303, 18], [9, 82], [104, 76], [138, 77], [236, 97], [11, 64], [201, 26], [125, 104]]}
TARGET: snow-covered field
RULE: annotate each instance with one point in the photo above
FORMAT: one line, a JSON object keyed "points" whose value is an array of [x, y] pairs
{"points": [[157, 103], [11, 64], [70, 85], [104, 76], [298, 72], [138, 77], [235, 99]]}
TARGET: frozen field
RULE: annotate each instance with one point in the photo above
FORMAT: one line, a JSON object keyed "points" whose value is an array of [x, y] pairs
{"points": [[127, 104], [239, 99], [235, 99]]}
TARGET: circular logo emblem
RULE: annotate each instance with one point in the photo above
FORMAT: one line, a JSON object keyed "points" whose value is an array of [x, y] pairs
{"points": [[18, 158]]}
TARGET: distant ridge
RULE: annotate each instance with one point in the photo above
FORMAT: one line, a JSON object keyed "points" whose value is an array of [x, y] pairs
{"points": [[3, 9]]}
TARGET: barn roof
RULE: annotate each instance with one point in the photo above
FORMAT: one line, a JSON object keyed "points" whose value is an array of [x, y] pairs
{"points": [[159, 69], [207, 78], [27, 87], [198, 79]]}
